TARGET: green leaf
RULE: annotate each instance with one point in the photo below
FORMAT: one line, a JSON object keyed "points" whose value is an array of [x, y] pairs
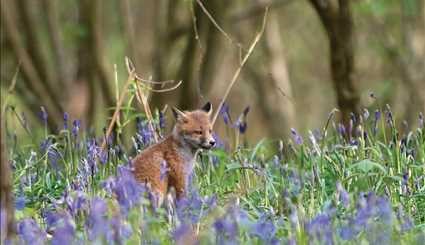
{"points": [[367, 166]]}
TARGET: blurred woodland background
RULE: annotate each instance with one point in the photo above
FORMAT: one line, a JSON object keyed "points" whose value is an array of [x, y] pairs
{"points": [[315, 55]]}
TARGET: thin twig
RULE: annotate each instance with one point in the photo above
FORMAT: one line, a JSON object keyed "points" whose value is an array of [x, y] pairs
{"points": [[10, 90], [165, 89], [238, 71], [143, 100], [118, 107], [217, 25]]}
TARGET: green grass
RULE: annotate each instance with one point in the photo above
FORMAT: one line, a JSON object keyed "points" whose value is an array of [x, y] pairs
{"points": [[282, 189]]}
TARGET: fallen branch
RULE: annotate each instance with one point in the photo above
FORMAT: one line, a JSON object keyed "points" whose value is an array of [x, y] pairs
{"points": [[238, 71]]}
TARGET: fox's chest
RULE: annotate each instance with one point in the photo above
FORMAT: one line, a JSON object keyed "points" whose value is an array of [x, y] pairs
{"points": [[187, 163]]}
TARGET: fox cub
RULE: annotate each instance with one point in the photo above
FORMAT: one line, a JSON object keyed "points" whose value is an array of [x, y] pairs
{"points": [[170, 162]]}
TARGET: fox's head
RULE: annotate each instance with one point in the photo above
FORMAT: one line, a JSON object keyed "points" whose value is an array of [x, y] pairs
{"points": [[194, 127]]}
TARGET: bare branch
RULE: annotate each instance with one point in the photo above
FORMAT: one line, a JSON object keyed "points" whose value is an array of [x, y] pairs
{"points": [[238, 71]]}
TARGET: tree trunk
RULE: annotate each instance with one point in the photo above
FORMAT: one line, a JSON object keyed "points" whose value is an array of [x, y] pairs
{"points": [[412, 60], [7, 205], [279, 91], [337, 20]]}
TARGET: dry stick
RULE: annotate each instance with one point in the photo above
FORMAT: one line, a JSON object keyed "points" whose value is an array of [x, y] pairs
{"points": [[10, 90], [216, 25], [238, 71], [148, 112], [118, 107]]}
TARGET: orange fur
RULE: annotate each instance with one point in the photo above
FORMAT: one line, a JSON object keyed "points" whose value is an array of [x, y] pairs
{"points": [[177, 152]]}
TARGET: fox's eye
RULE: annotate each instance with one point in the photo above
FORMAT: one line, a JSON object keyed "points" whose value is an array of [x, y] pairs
{"points": [[198, 132]]}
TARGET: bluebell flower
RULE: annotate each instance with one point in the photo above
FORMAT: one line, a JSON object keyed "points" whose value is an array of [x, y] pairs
{"points": [[297, 138], [144, 133], [76, 124], [225, 114], [29, 231], [43, 115], [241, 124], [389, 115], [341, 129], [343, 195], [184, 234], [97, 220], [161, 120], [375, 122], [265, 229], [190, 208], [120, 231], [406, 223], [127, 190], [320, 229], [62, 226], [65, 120], [226, 230], [421, 120], [20, 202]]}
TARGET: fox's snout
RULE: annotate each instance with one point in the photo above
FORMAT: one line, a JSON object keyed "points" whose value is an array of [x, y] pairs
{"points": [[208, 144]]}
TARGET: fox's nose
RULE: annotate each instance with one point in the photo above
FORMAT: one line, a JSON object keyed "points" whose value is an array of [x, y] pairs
{"points": [[212, 142]]}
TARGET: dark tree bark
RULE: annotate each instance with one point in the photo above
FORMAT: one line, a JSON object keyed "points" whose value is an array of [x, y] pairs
{"points": [[337, 20], [7, 204], [411, 59], [62, 75], [32, 78]]}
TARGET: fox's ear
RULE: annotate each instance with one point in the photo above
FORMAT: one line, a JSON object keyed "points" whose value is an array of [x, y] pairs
{"points": [[207, 108], [179, 115]]}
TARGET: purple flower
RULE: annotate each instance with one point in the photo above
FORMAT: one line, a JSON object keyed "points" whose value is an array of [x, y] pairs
{"points": [[225, 113], [320, 229], [62, 227], [265, 230], [190, 208], [144, 133], [74, 202], [161, 120], [20, 202], [241, 123], [76, 124], [103, 156], [127, 190], [421, 120], [343, 195], [341, 129], [119, 232], [43, 115], [29, 231], [226, 230], [183, 234], [375, 123], [65, 120], [92, 154], [97, 221], [297, 138], [406, 223], [389, 116]]}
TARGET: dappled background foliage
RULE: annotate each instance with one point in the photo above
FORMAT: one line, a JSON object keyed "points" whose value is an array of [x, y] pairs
{"points": [[67, 51]]}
